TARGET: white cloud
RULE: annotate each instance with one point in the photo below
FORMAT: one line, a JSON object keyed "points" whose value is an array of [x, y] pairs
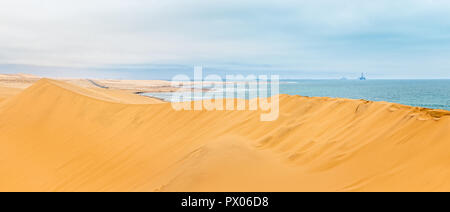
{"points": [[339, 36]]}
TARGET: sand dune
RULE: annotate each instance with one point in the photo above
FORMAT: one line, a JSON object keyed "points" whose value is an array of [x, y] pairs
{"points": [[59, 137], [6, 92], [18, 81], [22, 81]]}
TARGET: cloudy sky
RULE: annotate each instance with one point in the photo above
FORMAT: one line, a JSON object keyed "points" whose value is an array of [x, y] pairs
{"points": [[158, 39]]}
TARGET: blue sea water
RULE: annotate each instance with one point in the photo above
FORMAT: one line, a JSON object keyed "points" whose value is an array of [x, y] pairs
{"points": [[422, 93]]}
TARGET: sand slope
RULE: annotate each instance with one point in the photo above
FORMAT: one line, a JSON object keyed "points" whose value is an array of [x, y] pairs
{"points": [[6, 92], [59, 137], [113, 87], [19, 81]]}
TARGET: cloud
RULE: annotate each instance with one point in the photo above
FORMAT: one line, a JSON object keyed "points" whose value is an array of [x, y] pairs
{"points": [[387, 38]]}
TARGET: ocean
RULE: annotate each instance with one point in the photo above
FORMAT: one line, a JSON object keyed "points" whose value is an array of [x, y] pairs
{"points": [[422, 93]]}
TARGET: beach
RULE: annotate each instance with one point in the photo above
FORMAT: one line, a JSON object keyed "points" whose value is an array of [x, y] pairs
{"points": [[76, 135]]}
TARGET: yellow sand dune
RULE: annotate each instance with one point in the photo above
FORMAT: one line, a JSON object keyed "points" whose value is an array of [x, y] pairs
{"points": [[60, 137], [6, 92]]}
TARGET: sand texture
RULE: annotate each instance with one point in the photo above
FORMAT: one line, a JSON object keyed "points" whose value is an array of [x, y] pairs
{"points": [[57, 136]]}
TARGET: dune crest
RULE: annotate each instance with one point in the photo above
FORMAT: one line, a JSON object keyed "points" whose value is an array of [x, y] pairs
{"points": [[59, 137]]}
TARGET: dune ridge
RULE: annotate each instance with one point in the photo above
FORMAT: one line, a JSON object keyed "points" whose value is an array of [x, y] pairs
{"points": [[59, 137]]}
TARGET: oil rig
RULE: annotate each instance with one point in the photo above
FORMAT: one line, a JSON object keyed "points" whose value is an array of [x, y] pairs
{"points": [[362, 77]]}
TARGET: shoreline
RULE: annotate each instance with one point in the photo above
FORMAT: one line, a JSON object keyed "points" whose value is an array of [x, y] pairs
{"points": [[18, 82], [316, 97]]}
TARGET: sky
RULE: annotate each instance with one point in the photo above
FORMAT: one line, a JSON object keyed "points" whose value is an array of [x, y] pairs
{"points": [[296, 39]]}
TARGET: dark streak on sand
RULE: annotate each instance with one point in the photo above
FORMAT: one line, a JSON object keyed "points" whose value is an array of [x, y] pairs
{"points": [[96, 84]]}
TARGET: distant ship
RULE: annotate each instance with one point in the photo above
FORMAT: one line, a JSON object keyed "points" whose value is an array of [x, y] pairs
{"points": [[362, 77]]}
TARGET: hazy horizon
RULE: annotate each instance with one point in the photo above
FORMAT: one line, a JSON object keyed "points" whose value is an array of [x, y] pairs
{"points": [[324, 39]]}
